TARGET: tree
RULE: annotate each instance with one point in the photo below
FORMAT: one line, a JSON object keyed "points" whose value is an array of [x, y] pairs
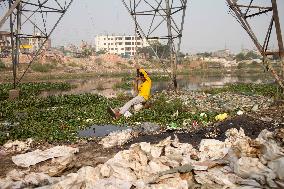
{"points": [[240, 57], [252, 55], [161, 50], [102, 51], [205, 54]]}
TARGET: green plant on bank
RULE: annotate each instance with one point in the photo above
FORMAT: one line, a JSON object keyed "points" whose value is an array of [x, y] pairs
{"points": [[72, 64], [28, 90], [271, 90], [38, 67], [59, 118], [2, 65]]}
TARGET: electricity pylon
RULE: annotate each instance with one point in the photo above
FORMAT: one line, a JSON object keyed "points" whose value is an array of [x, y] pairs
{"points": [[31, 19], [163, 20], [250, 9]]}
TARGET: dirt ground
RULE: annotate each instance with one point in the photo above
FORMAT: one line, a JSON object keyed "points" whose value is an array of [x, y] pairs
{"points": [[91, 153]]}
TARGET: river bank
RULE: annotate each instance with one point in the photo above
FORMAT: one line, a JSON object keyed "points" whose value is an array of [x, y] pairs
{"points": [[190, 115]]}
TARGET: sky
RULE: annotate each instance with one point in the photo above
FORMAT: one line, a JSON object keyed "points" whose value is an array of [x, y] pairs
{"points": [[208, 26]]}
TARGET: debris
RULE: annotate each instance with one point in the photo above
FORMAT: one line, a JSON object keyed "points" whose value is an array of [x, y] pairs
{"points": [[32, 158], [221, 117], [255, 108], [240, 112], [58, 165], [18, 145], [137, 107], [238, 162], [127, 114], [211, 149], [117, 138], [149, 128], [225, 101], [24, 179]]}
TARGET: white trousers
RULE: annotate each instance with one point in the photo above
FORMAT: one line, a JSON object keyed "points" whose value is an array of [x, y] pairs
{"points": [[136, 100]]}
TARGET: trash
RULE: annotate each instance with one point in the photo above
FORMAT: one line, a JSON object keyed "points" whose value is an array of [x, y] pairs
{"points": [[127, 114], [18, 145], [59, 165], [216, 176], [252, 168], [137, 107], [194, 123], [149, 128], [32, 158], [24, 179], [221, 117], [172, 126], [203, 115], [225, 101], [211, 149], [255, 108], [86, 177], [117, 138], [240, 112], [238, 162]]}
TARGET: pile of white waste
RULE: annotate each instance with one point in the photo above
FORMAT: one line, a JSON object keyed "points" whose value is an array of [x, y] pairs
{"points": [[237, 162]]}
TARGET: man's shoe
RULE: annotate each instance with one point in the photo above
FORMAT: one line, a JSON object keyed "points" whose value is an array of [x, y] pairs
{"points": [[111, 112]]}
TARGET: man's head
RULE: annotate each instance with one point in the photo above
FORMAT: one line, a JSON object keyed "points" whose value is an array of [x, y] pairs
{"points": [[141, 76]]}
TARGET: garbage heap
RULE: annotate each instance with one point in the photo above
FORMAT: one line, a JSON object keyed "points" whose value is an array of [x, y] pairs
{"points": [[237, 162], [226, 101]]}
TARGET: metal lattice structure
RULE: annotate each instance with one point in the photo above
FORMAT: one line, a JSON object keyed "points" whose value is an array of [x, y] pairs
{"points": [[163, 20], [243, 11], [31, 19]]}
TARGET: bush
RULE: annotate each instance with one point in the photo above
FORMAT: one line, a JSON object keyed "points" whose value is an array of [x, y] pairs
{"points": [[42, 67], [2, 65]]}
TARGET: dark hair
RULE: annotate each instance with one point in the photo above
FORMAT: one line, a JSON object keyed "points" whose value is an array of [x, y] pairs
{"points": [[140, 74]]}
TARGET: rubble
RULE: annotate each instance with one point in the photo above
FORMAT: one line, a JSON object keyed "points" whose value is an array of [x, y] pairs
{"points": [[37, 156], [237, 162], [18, 146], [117, 138]]}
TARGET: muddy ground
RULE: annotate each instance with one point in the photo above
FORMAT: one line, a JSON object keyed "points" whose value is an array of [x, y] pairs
{"points": [[91, 153]]}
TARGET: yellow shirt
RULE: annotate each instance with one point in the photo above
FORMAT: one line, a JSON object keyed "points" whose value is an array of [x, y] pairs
{"points": [[144, 88]]}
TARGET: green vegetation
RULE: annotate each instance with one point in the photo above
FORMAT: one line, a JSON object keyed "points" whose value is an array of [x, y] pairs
{"points": [[101, 52], [42, 67], [2, 65], [247, 56], [28, 90], [59, 118], [271, 90], [161, 50], [72, 64]]}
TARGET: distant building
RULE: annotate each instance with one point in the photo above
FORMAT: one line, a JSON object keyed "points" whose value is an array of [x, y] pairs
{"points": [[35, 43], [226, 53], [5, 44], [120, 45], [223, 62]]}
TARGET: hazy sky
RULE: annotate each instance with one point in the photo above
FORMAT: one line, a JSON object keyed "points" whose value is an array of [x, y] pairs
{"points": [[208, 26]]}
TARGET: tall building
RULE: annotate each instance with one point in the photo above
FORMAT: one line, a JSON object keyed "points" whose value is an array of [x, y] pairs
{"points": [[5, 38], [36, 42], [120, 45]]}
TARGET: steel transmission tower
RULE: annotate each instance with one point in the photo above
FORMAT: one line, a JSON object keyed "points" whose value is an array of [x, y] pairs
{"points": [[27, 20], [162, 20], [245, 10]]}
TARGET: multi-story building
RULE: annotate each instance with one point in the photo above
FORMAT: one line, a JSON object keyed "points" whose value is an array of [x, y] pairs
{"points": [[121, 45], [36, 42], [5, 44]]}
